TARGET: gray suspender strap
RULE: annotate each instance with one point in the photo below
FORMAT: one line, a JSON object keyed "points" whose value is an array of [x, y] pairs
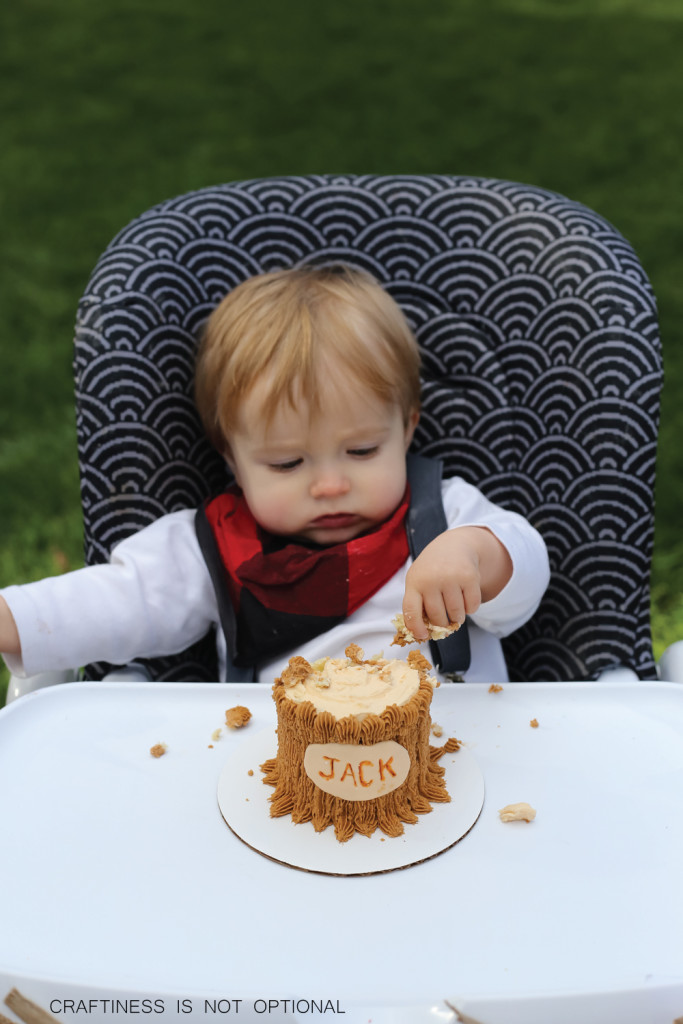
{"points": [[426, 520]]}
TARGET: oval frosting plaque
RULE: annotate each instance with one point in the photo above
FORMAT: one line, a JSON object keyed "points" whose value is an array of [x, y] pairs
{"points": [[355, 772]]}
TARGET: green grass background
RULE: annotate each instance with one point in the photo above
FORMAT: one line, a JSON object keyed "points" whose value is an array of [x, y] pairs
{"points": [[109, 106]]}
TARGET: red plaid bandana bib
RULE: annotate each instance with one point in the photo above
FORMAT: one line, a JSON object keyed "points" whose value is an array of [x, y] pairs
{"points": [[283, 593]]}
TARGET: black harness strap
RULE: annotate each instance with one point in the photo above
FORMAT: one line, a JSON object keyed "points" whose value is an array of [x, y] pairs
{"points": [[426, 520], [226, 612]]}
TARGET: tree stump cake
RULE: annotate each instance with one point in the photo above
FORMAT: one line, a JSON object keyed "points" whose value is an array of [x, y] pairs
{"points": [[353, 744]]}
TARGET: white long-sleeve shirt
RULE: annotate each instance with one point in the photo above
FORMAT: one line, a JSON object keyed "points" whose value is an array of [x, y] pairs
{"points": [[155, 597]]}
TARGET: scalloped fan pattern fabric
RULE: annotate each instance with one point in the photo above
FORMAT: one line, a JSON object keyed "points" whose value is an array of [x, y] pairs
{"points": [[541, 384]]}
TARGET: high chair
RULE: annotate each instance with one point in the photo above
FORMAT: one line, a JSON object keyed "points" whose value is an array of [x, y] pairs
{"points": [[541, 378]]}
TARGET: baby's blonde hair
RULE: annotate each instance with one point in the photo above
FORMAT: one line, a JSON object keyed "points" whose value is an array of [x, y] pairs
{"points": [[292, 328]]}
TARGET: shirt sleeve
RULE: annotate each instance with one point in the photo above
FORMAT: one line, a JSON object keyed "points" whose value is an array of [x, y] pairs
{"points": [[465, 505], [154, 597]]}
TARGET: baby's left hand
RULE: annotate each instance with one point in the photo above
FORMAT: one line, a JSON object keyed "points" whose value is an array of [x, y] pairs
{"points": [[452, 576]]}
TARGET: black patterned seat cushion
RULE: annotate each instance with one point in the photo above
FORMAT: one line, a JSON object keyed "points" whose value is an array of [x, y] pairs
{"points": [[542, 374]]}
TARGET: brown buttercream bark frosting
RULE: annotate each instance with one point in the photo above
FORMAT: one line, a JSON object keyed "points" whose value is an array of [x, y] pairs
{"points": [[382, 762]]}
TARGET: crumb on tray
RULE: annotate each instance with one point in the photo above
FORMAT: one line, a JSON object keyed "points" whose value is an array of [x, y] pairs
{"points": [[517, 812], [158, 750], [236, 717]]}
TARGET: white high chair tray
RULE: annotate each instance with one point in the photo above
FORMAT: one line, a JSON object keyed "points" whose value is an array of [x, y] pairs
{"points": [[121, 880]]}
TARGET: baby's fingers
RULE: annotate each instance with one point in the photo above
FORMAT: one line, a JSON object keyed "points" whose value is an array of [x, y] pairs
{"points": [[412, 614], [470, 596], [438, 612], [455, 606], [459, 604]]}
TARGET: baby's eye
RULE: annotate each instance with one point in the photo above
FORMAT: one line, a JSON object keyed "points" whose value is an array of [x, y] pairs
{"points": [[285, 467], [364, 453]]}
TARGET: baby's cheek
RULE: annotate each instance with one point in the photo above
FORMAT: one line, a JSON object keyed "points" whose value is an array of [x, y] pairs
{"points": [[274, 510], [387, 487]]}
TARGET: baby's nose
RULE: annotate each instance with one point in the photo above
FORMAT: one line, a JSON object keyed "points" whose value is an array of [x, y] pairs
{"points": [[330, 484]]}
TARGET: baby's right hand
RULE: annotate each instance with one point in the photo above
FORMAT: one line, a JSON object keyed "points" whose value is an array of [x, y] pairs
{"points": [[9, 635], [452, 576], [443, 584]]}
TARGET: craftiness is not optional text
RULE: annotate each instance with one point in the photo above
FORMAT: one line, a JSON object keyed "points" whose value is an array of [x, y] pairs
{"points": [[98, 1008]]}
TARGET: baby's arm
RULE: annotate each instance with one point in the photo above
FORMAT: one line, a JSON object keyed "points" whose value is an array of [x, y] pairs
{"points": [[153, 598], [452, 576], [9, 634]]}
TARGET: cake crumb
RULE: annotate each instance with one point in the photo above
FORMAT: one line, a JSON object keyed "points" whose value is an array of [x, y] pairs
{"points": [[436, 729], [250, 772], [354, 653], [297, 671], [158, 750], [236, 717], [534, 723], [517, 812], [495, 688], [452, 745], [418, 661], [404, 636], [216, 734]]}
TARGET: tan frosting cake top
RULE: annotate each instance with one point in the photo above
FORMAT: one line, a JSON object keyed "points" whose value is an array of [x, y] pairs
{"points": [[351, 686]]}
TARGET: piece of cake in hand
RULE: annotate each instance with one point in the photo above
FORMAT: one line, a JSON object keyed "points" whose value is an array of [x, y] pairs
{"points": [[353, 744], [404, 637]]}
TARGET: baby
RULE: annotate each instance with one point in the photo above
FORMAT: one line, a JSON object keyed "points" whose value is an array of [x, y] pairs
{"points": [[308, 384]]}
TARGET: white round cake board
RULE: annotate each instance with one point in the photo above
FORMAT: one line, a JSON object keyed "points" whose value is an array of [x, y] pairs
{"points": [[244, 804]]}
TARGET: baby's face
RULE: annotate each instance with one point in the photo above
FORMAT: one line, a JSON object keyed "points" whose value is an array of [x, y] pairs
{"points": [[325, 478]]}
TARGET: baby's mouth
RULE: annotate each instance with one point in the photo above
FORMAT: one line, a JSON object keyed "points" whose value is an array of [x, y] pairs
{"points": [[335, 520]]}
